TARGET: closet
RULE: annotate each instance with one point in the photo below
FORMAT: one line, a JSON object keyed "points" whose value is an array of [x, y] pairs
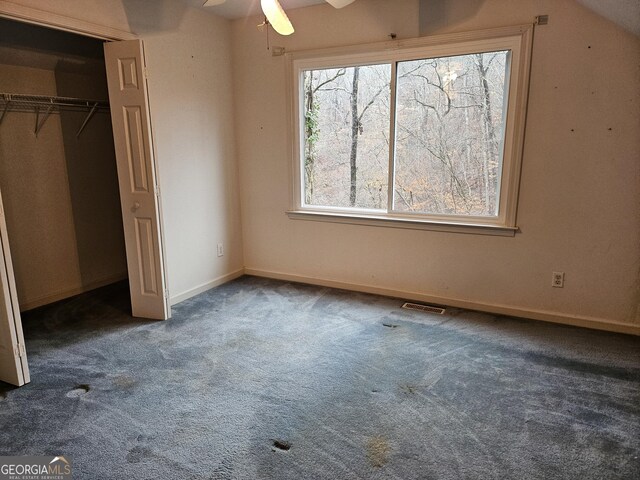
{"points": [[58, 175], [81, 206]]}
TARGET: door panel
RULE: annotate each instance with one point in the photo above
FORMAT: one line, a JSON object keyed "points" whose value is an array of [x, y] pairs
{"points": [[144, 237], [135, 152], [137, 178], [13, 357]]}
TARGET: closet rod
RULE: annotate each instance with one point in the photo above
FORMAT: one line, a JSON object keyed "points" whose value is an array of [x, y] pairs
{"points": [[18, 102], [19, 99]]}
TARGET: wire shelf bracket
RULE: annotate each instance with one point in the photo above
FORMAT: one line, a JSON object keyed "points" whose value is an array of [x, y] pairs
{"points": [[86, 120], [39, 124], [4, 112]]}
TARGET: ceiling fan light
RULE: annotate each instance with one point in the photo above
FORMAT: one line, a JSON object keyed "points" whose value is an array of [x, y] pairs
{"points": [[276, 16], [340, 3]]}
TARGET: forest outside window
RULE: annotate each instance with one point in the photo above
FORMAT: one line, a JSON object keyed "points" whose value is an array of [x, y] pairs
{"points": [[427, 133]]}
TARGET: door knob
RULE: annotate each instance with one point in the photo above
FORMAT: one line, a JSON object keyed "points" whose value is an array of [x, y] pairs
{"points": [[135, 207]]}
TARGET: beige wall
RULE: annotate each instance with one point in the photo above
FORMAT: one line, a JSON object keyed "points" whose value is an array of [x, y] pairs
{"points": [[191, 98], [578, 209], [60, 193], [190, 90]]}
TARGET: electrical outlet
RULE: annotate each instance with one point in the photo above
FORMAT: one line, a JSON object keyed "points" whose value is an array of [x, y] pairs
{"points": [[220, 250], [557, 279]]}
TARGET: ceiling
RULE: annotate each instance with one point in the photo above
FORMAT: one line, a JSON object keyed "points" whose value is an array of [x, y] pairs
{"points": [[245, 8], [625, 13]]}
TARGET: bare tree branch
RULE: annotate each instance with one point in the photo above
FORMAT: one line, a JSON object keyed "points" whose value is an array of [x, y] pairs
{"points": [[339, 73]]}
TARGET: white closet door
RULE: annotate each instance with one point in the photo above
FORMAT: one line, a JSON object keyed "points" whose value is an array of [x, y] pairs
{"points": [[137, 177], [13, 357]]}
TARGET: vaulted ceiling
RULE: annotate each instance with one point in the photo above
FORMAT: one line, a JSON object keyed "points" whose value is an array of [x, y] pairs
{"points": [[625, 13], [245, 8]]}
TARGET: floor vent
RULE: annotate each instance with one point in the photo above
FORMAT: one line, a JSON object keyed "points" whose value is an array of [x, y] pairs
{"points": [[424, 308]]}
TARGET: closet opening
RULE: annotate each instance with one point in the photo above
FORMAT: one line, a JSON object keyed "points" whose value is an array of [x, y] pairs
{"points": [[58, 175], [82, 205]]}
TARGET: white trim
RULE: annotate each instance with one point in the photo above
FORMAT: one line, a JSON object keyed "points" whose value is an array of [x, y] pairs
{"points": [[216, 282], [518, 40], [533, 314], [293, 140], [44, 18], [393, 112], [516, 140], [71, 292], [392, 45], [395, 221]]}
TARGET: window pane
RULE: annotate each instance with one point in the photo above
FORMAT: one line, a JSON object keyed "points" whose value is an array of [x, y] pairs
{"points": [[346, 136], [449, 134]]}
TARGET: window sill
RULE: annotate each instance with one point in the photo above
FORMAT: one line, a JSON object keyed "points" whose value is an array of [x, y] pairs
{"points": [[402, 222]]}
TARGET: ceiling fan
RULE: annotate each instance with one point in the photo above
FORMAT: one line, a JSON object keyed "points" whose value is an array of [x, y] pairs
{"points": [[275, 15]]}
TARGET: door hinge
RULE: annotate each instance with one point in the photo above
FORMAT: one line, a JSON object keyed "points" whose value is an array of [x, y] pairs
{"points": [[166, 294], [19, 350], [157, 191]]}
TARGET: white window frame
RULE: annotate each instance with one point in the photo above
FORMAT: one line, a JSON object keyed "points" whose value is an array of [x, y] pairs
{"points": [[517, 40]]}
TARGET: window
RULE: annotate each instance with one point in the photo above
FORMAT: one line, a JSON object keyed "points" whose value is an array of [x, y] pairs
{"points": [[422, 133]]}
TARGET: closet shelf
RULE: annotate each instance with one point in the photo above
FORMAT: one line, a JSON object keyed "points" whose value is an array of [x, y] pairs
{"points": [[17, 102]]}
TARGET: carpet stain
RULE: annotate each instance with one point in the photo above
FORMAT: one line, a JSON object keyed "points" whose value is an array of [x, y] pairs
{"points": [[408, 389], [78, 391], [137, 454], [582, 367], [124, 381], [281, 445], [378, 451]]}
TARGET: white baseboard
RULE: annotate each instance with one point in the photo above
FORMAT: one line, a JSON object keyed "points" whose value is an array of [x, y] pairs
{"points": [[546, 316], [70, 292], [192, 292]]}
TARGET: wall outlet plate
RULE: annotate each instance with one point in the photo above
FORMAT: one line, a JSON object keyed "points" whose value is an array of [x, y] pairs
{"points": [[557, 279]]}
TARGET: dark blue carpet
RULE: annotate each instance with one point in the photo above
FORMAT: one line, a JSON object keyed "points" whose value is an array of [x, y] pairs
{"points": [[262, 379]]}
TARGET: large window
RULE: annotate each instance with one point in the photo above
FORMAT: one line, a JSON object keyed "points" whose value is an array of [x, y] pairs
{"points": [[422, 132]]}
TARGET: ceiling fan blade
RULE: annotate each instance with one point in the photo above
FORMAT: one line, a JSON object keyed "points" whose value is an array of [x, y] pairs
{"points": [[339, 3], [213, 3], [276, 17]]}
